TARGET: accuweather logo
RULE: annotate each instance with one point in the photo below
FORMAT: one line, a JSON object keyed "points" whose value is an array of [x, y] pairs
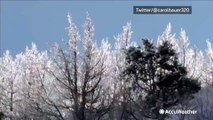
{"points": [[177, 111], [161, 111]]}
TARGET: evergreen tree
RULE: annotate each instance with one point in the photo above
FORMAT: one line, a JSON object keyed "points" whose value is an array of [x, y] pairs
{"points": [[157, 78]]}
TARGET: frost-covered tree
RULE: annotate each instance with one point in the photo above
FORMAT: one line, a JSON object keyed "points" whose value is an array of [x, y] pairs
{"points": [[32, 66], [190, 57], [80, 77], [8, 86], [121, 93], [20, 83], [209, 65], [168, 36]]}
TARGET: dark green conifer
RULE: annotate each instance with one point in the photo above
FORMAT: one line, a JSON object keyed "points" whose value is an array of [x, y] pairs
{"points": [[156, 72]]}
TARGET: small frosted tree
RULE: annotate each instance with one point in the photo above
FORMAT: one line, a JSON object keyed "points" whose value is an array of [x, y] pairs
{"points": [[209, 65], [8, 78], [31, 76], [121, 93]]}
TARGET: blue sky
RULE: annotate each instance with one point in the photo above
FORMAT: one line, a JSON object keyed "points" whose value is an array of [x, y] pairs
{"points": [[44, 22]]}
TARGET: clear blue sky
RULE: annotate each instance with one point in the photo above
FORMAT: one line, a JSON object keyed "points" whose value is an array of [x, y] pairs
{"points": [[44, 22]]}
